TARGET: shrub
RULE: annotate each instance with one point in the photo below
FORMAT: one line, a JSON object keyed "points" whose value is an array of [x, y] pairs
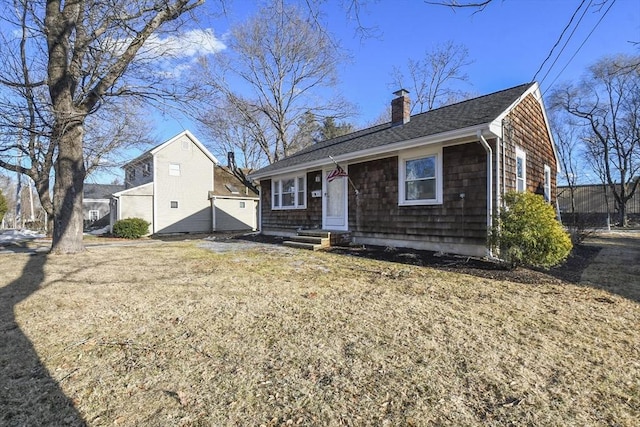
{"points": [[529, 233], [131, 228]]}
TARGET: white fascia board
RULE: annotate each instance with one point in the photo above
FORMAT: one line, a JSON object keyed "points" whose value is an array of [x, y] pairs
{"points": [[124, 192], [193, 139], [496, 126], [233, 198], [95, 200], [469, 132]]}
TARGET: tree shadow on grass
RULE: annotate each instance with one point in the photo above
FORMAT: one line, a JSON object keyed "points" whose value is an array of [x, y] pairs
{"points": [[29, 395]]}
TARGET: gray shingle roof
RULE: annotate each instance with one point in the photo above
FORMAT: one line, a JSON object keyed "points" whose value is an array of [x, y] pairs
{"points": [[100, 191], [476, 111]]}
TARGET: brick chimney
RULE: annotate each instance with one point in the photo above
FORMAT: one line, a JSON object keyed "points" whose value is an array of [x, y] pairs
{"points": [[400, 108]]}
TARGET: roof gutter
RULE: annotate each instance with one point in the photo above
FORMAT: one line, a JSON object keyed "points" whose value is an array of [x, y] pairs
{"points": [[487, 148]]}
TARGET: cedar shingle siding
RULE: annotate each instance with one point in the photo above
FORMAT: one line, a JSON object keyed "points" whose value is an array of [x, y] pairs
{"points": [[375, 211], [292, 219], [525, 127]]}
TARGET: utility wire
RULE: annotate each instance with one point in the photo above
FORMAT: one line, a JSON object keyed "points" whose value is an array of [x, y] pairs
{"points": [[581, 45], [559, 39], [584, 12], [565, 45]]}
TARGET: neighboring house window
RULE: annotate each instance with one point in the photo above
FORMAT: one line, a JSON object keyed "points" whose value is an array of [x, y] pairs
{"points": [[94, 215], [547, 183], [242, 205], [146, 169], [174, 204], [174, 169], [131, 174], [289, 193], [420, 178], [521, 170]]}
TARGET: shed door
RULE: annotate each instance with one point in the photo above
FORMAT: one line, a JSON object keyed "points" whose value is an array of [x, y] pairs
{"points": [[334, 203]]}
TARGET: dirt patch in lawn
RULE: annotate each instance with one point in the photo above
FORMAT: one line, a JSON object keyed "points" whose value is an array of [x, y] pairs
{"points": [[182, 335], [570, 271]]}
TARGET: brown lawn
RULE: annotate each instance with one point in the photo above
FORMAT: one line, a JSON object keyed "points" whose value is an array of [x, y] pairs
{"points": [[174, 334]]}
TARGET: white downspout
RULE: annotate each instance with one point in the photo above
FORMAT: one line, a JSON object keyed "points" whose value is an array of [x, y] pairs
{"points": [[487, 148], [213, 214], [259, 225], [498, 172]]}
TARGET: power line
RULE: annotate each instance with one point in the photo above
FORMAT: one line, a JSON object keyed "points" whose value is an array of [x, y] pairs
{"points": [[566, 43], [581, 45], [560, 38]]}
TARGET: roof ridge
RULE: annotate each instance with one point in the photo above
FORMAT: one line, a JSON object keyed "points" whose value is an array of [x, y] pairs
{"points": [[473, 99]]}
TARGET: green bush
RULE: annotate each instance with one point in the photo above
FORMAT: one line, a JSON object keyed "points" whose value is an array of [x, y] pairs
{"points": [[131, 228], [529, 233]]}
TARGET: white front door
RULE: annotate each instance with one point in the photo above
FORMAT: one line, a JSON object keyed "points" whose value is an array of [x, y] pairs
{"points": [[334, 203]]}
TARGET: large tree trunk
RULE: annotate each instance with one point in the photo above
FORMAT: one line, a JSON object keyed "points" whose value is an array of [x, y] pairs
{"points": [[67, 191], [622, 214]]}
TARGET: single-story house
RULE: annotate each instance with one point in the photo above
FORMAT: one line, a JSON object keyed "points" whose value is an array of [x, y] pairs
{"points": [[429, 181], [173, 187], [96, 199]]}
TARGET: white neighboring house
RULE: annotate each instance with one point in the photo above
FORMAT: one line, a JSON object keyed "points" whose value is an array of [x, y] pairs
{"points": [[96, 203], [169, 187]]}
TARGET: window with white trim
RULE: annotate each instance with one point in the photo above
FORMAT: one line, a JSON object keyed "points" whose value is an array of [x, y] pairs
{"points": [[420, 178], [289, 192], [131, 174], [146, 169], [174, 169], [547, 183], [94, 215], [521, 170]]}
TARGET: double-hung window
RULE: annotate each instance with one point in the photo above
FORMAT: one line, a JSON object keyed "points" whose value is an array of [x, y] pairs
{"points": [[289, 192], [521, 170], [420, 178]]}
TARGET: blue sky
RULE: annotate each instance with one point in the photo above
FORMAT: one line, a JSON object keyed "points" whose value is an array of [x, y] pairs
{"points": [[507, 43]]}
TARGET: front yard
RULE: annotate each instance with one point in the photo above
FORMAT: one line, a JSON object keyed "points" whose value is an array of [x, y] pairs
{"points": [[246, 334]]}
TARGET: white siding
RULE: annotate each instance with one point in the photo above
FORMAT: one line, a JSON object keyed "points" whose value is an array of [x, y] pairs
{"points": [[135, 203], [190, 189], [234, 213]]}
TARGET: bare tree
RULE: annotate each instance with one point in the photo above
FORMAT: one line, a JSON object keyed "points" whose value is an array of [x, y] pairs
{"points": [[569, 148], [69, 60], [455, 4], [431, 80], [115, 126], [286, 61], [607, 103]]}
